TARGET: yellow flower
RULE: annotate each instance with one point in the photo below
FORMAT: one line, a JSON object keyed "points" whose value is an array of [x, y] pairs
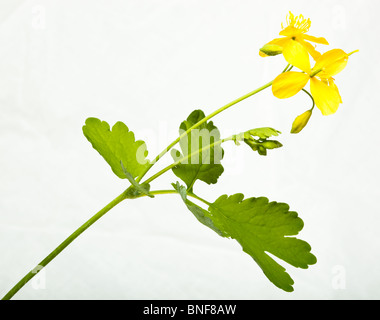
{"points": [[322, 86], [295, 30]]}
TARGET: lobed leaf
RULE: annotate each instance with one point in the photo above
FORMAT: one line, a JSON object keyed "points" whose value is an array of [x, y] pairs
{"points": [[263, 227], [263, 133], [117, 146], [205, 165]]}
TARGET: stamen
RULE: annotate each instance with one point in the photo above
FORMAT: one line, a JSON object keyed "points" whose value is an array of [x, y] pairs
{"points": [[298, 22]]}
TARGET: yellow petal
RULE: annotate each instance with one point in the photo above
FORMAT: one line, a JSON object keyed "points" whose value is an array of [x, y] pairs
{"points": [[290, 31], [326, 97], [297, 55], [319, 40], [310, 48], [280, 41], [331, 62], [288, 84], [301, 121], [337, 91]]}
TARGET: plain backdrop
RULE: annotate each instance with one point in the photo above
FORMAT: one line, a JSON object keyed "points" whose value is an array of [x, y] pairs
{"points": [[149, 64]]}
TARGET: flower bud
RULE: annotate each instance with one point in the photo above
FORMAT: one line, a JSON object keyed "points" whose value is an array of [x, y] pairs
{"points": [[271, 144], [300, 122], [271, 49], [252, 143], [261, 150]]}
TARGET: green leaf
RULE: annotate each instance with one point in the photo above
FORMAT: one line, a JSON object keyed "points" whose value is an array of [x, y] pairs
{"points": [[263, 227], [117, 146], [204, 166], [201, 214], [263, 133]]}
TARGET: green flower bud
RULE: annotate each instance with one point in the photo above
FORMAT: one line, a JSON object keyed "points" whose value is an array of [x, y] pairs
{"points": [[271, 49], [301, 121], [252, 143], [261, 150], [271, 144]]}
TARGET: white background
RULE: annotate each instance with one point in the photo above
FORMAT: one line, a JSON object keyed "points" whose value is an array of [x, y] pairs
{"points": [[149, 64]]}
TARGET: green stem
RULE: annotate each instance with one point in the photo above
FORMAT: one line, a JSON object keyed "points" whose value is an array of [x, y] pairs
{"points": [[314, 73], [189, 156], [63, 245], [198, 198], [159, 192], [286, 68], [203, 121], [191, 194], [123, 196], [311, 97]]}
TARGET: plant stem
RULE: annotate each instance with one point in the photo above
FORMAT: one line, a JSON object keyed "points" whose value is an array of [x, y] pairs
{"points": [[203, 121], [123, 196], [198, 198], [75, 235], [311, 97], [158, 192], [63, 245], [191, 194], [286, 68], [189, 156]]}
